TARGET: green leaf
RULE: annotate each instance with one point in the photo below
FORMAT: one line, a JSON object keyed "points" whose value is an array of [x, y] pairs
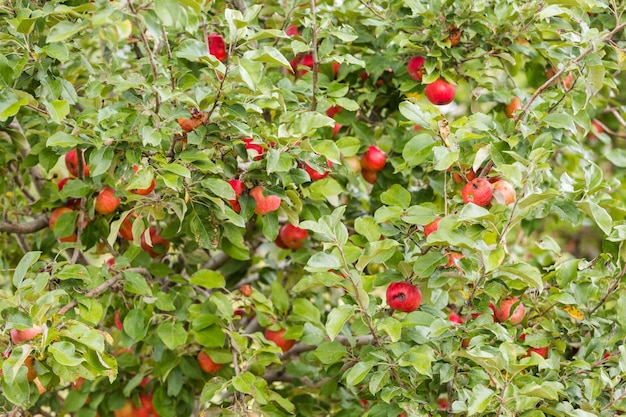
{"points": [[135, 283], [418, 149], [396, 195], [270, 55], [322, 262], [64, 30], [306, 310], [357, 373], [65, 354], [208, 279], [368, 227], [280, 297], [136, 324], [420, 358], [480, 398], [23, 266], [168, 11], [599, 215], [337, 318], [58, 109], [100, 161], [330, 352], [62, 140], [416, 114], [173, 334], [392, 327], [10, 103], [560, 121], [178, 170], [419, 215]]}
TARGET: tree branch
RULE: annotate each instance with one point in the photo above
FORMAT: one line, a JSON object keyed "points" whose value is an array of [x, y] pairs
{"points": [[103, 287], [316, 64], [31, 226], [557, 74]]}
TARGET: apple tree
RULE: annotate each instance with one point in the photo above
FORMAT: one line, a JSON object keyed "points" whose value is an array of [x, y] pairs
{"points": [[314, 208]]}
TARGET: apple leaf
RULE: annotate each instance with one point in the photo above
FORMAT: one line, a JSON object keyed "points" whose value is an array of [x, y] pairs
{"points": [[337, 318]]}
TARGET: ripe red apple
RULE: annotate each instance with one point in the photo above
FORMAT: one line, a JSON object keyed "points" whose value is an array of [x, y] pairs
{"points": [[596, 128], [336, 128], [374, 159], [455, 318], [369, 176], [514, 105], [416, 67], [56, 213], [146, 409], [264, 204], [453, 258], [239, 187], [431, 227], [207, 364], [254, 149], [159, 247], [541, 351], [118, 320], [316, 175], [336, 66], [333, 110], [439, 92], [279, 242], [292, 236], [503, 192], [106, 202], [477, 191], [217, 46], [126, 228], [143, 191], [503, 312], [305, 60], [62, 183], [276, 336], [71, 162], [403, 296], [18, 336], [293, 30]]}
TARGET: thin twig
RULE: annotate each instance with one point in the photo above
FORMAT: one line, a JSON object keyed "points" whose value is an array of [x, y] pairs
{"points": [[144, 40], [103, 287], [169, 57], [611, 290], [558, 74], [371, 9]]}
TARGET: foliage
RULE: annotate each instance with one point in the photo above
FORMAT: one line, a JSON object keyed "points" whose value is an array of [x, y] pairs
{"points": [[132, 84]]}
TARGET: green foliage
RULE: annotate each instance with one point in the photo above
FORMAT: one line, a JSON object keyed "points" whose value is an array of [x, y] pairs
{"points": [[125, 302]]}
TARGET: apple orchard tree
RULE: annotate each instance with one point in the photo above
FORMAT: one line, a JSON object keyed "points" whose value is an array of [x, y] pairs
{"points": [[333, 208]]}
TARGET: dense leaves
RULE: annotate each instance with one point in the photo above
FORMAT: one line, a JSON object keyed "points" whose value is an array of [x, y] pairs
{"points": [[255, 177]]}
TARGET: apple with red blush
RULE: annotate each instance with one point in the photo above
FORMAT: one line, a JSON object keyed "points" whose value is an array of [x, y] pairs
{"points": [[278, 337], [440, 92], [403, 296], [292, 236], [207, 364], [478, 191], [503, 313], [106, 201], [264, 203]]}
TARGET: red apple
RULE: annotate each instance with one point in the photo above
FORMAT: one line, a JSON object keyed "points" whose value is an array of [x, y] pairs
{"points": [[239, 187], [106, 202], [503, 192], [143, 191], [293, 30], [292, 236], [403, 296], [159, 247], [542, 351], [279, 242], [264, 204], [369, 176], [71, 162], [336, 66], [416, 67], [336, 129], [442, 402], [305, 60], [56, 213], [374, 159], [276, 336], [245, 290], [596, 128], [217, 46], [18, 336], [333, 110], [455, 318], [78, 383], [118, 321], [207, 364], [431, 227], [503, 312], [440, 92], [254, 149], [126, 228], [477, 191], [62, 183], [146, 409], [514, 105], [453, 258], [316, 175]]}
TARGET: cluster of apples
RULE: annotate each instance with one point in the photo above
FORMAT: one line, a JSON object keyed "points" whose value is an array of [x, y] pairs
{"points": [[105, 203], [439, 92]]}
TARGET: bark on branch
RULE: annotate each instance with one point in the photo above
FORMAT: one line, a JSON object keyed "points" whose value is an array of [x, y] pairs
{"points": [[31, 226]]}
